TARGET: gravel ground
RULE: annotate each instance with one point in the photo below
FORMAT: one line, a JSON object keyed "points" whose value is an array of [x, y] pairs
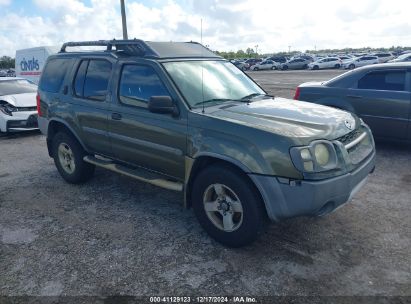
{"points": [[114, 235]]}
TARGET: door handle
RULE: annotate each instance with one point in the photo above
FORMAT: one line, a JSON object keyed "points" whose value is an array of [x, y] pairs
{"points": [[354, 96], [116, 116]]}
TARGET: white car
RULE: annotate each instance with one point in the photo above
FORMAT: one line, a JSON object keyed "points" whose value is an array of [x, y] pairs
{"points": [[360, 61], [18, 110], [326, 63], [402, 58], [384, 57], [265, 65]]}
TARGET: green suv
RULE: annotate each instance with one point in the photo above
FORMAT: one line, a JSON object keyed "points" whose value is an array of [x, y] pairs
{"points": [[177, 116]]}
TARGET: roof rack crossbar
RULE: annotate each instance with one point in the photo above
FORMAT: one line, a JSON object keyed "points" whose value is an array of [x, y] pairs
{"points": [[133, 46]]}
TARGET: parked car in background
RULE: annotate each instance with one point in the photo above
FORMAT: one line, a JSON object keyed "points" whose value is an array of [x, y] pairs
{"points": [[360, 61], [240, 64], [3, 73], [295, 64], [379, 94], [265, 65], [279, 59], [18, 111], [250, 62], [384, 57], [326, 63], [402, 58], [11, 73]]}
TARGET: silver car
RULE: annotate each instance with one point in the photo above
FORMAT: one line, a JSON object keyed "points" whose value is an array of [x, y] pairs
{"points": [[295, 64]]}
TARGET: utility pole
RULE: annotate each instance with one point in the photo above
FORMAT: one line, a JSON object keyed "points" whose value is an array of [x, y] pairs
{"points": [[124, 20], [256, 50], [289, 48]]}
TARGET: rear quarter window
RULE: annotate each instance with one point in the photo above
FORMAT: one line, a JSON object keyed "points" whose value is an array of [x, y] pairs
{"points": [[53, 74]]}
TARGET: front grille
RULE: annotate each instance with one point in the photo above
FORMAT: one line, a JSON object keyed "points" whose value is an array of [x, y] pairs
{"points": [[347, 138], [357, 152]]}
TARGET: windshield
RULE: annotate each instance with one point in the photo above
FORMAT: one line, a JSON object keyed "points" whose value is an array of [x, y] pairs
{"points": [[17, 86], [214, 81]]}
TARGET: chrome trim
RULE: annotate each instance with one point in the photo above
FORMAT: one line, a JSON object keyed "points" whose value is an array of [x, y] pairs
{"points": [[355, 141]]}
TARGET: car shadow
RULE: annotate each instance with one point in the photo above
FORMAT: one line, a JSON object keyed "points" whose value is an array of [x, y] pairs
{"points": [[19, 134]]}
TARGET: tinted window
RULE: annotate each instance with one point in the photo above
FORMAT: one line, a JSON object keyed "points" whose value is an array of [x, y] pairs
{"points": [[96, 80], [17, 86], [79, 80], [383, 80], [138, 83], [53, 75]]}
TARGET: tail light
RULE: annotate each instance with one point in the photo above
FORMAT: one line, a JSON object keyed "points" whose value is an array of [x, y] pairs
{"points": [[38, 104], [297, 93]]}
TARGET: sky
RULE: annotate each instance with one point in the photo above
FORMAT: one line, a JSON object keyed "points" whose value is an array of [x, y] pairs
{"points": [[228, 25]]}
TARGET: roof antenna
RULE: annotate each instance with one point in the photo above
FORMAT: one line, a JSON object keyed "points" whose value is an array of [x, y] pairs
{"points": [[202, 63]]}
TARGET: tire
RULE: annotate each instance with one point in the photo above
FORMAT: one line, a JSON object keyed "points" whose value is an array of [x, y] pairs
{"points": [[337, 66], [316, 67], [68, 158], [246, 225], [255, 69], [305, 66], [351, 66], [285, 67], [273, 67]]}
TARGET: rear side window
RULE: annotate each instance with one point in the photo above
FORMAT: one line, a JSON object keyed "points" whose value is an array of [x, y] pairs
{"points": [[383, 80], [92, 79], [138, 83], [53, 75]]}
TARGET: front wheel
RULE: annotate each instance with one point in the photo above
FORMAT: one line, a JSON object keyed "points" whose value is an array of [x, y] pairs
{"points": [[273, 67], [255, 69], [285, 67], [337, 66], [351, 66], [68, 157], [227, 206]]}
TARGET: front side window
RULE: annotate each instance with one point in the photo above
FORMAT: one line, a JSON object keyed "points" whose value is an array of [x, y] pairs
{"points": [[201, 81], [138, 83], [383, 80]]}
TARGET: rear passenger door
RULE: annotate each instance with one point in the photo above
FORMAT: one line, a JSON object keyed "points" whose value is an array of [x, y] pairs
{"points": [[382, 99], [139, 137], [90, 99]]}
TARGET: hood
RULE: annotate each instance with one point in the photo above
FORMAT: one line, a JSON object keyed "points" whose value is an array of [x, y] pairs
{"points": [[291, 118], [21, 100]]}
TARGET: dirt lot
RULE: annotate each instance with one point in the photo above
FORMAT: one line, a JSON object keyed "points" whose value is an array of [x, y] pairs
{"points": [[115, 235]]}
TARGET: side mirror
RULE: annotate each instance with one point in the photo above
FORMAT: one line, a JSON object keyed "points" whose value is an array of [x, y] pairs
{"points": [[162, 105]]}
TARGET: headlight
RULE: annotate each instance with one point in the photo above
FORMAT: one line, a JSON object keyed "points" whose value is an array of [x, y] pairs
{"points": [[319, 156], [7, 108]]}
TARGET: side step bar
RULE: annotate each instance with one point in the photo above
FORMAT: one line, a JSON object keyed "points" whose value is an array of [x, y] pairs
{"points": [[139, 173]]}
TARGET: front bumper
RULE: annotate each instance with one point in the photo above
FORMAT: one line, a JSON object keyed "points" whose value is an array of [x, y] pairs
{"points": [[285, 199], [19, 121]]}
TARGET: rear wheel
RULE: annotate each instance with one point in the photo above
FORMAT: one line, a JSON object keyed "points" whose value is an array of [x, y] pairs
{"points": [[273, 67], [227, 206], [337, 66], [68, 158], [255, 69], [285, 67], [305, 66], [316, 67], [351, 66]]}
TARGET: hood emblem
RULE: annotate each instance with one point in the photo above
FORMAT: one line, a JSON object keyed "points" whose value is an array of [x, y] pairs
{"points": [[349, 124]]}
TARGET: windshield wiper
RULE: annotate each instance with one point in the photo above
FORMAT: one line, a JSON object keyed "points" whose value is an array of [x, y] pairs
{"points": [[212, 100], [251, 96]]}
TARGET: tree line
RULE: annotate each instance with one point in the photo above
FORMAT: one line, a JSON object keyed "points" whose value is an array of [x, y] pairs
{"points": [[6, 62]]}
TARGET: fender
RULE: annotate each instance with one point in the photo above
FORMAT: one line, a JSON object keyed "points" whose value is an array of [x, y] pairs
{"points": [[66, 125]]}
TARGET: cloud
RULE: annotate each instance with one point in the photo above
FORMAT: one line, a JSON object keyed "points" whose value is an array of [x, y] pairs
{"points": [[227, 24]]}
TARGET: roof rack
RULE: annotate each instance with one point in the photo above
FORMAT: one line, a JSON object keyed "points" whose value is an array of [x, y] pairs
{"points": [[131, 47]]}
